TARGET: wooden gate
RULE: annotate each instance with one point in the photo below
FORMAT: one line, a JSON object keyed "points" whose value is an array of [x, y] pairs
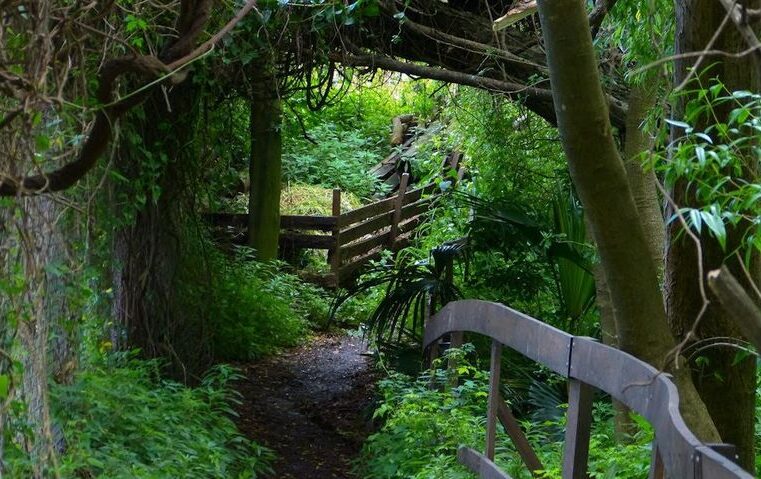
{"points": [[587, 365]]}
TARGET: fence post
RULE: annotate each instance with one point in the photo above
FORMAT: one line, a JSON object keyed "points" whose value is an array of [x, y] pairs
{"points": [[335, 252], [494, 398], [398, 208], [578, 425]]}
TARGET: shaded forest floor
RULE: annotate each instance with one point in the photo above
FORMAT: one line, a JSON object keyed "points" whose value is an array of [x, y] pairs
{"points": [[312, 405]]}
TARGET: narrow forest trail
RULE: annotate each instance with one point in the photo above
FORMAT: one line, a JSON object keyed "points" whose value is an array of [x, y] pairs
{"points": [[311, 405]]}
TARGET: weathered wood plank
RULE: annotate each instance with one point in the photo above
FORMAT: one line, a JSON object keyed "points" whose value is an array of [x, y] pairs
{"points": [[480, 464], [577, 431], [513, 429], [416, 208], [495, 398], [643, 389], [366, 227], [712, 464], [591, 364], [409, 225], [335, 254], [364, 212], [656, 463], [348, 270], [651, 394], [417, 193], [397, 217], [528, 336], [303, 222], [363, 246], [300, 240]]}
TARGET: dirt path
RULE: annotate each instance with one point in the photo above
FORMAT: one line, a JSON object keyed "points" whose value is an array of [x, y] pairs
{"points": [[312, 405]]}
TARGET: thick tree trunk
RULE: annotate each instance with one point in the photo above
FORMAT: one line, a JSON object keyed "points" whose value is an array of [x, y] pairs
{"points": [[266, 160], [600, 178], [158, 254], [645, 194], [728, 389]]}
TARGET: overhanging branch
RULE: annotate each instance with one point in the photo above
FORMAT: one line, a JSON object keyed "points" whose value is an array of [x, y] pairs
{"points": [[100, 134], [539, 100]]}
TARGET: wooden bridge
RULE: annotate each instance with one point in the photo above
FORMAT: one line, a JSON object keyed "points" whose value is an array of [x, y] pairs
{"points": [[353, 238], [587, 365]]}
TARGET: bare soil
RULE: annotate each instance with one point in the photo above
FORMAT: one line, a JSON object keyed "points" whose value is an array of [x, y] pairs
{"points": [[312, 405]]}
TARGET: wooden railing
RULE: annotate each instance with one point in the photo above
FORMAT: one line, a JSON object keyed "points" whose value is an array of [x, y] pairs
{"points": [[587, 364], [352, 238]]}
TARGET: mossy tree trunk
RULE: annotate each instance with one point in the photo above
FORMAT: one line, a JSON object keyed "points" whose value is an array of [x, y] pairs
{"points": [[600, 178], [265, 164], [160, 279], [727, 387]]}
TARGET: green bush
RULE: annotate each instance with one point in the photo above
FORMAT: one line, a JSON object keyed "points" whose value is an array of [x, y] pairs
{"points": [[339, 159], [122, 421], [259, 309], [424, 426]]}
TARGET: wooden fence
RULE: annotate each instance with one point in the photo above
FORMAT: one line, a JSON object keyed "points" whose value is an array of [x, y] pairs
{"points": [[587, 365], [352, 238]]}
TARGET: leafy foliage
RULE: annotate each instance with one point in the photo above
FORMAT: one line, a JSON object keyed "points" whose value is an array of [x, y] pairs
{"points": [[718, 163], [120, 420], [259, 309], [337, 160], [409, 286], [427, 419]]}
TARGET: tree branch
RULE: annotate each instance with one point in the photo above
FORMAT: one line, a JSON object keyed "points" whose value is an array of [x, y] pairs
{"points": [[736, 301], [538, 100], [100, 134], [598, 14]]}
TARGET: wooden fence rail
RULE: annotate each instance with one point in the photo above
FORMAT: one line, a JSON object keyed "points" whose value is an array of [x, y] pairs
{"points": [[352, 238], [587, 365]]}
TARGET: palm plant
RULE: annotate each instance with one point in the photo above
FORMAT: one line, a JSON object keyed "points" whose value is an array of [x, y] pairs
{"points": [[575, 280], [561, 239], [412, 291]]}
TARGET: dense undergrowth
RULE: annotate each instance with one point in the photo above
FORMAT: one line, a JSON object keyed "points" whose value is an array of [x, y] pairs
{"points": [[426, 419], [259, 309], [121, 420]]}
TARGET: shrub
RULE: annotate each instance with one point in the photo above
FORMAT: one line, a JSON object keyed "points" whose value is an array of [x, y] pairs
{"points": [[259, 309], [121, 421], [424, 427], [339, 159]]}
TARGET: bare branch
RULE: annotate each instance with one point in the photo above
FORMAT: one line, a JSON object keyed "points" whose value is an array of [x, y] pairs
{"points": [[736, 301]]}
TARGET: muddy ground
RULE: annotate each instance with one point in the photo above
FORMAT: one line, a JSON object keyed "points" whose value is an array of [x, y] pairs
{"points": [[312, 405]]}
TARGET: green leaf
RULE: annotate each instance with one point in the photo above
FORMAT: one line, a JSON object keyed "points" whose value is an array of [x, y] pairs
{"points": [[715, 224], [42, 142], [5, 386], [700, 153]]}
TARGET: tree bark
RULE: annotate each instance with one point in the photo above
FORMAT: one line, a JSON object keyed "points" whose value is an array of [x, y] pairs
{"points": [[728, 389], [642, 182], [645, 194], [265, 165], [159, 264], [600, 178]]}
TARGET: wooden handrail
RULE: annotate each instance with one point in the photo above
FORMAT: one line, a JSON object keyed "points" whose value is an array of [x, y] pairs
{"points": [[635, 383]]}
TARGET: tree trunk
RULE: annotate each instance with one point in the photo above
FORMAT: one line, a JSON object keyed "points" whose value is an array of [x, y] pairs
{"points": [[642, 183], [600, 178], [641, 100], [728, 389], [159, 252], [266, 160]]}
